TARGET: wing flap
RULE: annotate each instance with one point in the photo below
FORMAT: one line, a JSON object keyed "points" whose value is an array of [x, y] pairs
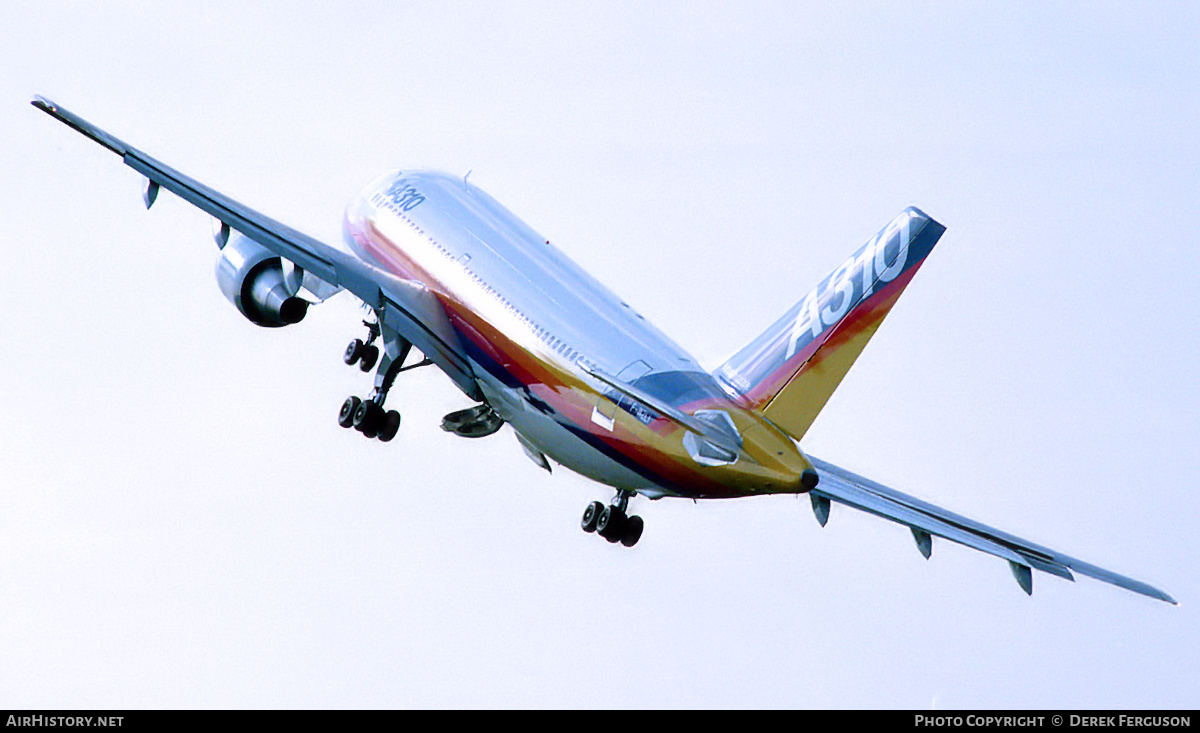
{"points": [[846, 492], [859, 492]]}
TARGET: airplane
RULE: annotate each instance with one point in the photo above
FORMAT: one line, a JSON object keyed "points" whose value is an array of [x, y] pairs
{"points": [[580, 376]]}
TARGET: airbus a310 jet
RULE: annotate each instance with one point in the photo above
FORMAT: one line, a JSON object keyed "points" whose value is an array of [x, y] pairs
{"points": [[581, 377]]}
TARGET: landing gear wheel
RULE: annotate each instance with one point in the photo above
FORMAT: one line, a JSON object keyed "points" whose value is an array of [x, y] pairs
{"points": [[611, 523], [632, 531], [370, 354], [354, 351], [391, 423], [349, 407], [367, 418], [590, 516]]}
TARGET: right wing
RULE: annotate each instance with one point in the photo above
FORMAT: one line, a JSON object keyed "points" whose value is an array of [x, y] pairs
{"points": [[926, 520], [404, 306]]}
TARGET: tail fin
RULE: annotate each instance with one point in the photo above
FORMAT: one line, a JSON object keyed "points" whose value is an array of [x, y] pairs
{"points": [[792, 368]]}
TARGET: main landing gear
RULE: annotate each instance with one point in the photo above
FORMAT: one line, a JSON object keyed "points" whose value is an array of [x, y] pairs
{"points": [[611, 522], [365, 353], [369, 418], [368, 415]]}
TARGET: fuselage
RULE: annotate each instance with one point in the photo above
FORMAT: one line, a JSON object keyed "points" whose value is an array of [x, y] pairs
{"points": [[530, 322]]}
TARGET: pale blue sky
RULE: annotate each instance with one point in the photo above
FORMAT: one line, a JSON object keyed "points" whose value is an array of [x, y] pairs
{"points": [[183, 524]]}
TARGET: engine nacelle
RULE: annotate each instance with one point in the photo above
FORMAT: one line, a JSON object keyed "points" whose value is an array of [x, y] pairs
{"points": [[252, 277]]}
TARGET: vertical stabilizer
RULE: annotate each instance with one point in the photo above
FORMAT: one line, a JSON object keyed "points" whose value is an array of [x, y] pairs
{"points": [[792, 368]]}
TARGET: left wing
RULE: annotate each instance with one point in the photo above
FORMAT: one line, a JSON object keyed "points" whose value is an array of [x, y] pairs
{"points": [[926, 520], [406, 307]]}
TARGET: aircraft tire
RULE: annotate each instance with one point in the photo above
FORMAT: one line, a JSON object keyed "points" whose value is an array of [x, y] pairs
{"points": [[367, 418], [632, 531], [590, 516], [610, 523], [391, 424], [349, 407], [370, 355], [354, 351]]}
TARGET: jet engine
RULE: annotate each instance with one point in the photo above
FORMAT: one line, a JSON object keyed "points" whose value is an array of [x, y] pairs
{"points": [[253, 279]]}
